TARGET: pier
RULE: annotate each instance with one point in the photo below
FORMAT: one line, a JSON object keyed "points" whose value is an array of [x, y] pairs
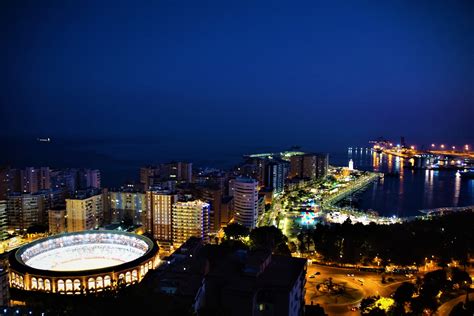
{"points": [[351, 189], [442, 210]]}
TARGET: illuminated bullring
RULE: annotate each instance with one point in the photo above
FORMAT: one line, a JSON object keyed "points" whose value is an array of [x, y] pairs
{"points": [[77, 263]]}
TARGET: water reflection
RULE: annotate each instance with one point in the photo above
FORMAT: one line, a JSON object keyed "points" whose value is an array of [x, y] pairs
{"points": [[405, 192], [375, 161], [390, 163], [457, 189], [428, 189]]}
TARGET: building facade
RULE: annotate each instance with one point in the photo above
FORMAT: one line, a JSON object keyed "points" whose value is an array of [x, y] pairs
{"points": [[130, 205], [84, 212], [275, 177], [190, 219], [35, 179], [159, 214], [3, 220], [4, 286], [213, 196], [257, 283], [180, 172], [310, 166], [246, 202], [25, 210], [227, 210], [57, 220], [89, 178]]}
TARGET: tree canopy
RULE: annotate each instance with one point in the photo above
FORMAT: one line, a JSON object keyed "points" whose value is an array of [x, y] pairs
{"points": [[235, 231]]}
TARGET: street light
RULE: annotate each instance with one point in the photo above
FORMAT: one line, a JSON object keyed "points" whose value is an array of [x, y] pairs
{"points": [[442, 146], [433, 145]]}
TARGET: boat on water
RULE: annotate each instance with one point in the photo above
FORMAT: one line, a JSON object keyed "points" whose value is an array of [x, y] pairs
{"points": [[44, 140], [467, 174]]}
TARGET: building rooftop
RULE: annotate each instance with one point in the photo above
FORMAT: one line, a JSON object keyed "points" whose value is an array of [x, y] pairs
{"points": [[246, 271], [85, 194], [181, 273], [246, 180]]}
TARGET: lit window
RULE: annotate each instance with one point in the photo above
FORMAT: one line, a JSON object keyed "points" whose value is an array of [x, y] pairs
{"points": [[107, 281], [99, 283], [68, 285], [77, 285], [91, 283], [60, 285], [47, 285], [34, 284]]}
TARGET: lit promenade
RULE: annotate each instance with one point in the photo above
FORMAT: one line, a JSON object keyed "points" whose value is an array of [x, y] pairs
{"points": [[452, 153], [354, 186], [409, 153], [401, 154]]}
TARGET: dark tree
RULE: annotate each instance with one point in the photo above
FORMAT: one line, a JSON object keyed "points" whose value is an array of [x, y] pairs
{"points": [[404, 293], [366, 303], [314, 310], [441, 238], [235, 231], [282, 249], [433, 282], [461, 278], [37, 229], [463, 309], [127, 220], [268, 237]]}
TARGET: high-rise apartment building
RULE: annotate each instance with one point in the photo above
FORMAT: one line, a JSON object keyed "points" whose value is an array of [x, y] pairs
{"points": [[57, 220], [180, 172], [9, 182], [190, 219], [275, 176], [159, 214], [3, 220], [89, 178], [25, 210], [35, 179], [246, 202], [130, 205], [85, 211], [212, 195], [310, 166], [65, 179], [227, 210], [75, 179], [4, 285], [146, 174], [296, 166], [259, 283]]}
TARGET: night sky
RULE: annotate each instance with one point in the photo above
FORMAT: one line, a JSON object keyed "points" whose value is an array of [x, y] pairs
{"points": [[227, 73]]}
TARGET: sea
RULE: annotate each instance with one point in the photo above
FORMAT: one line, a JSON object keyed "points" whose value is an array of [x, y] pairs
{"points": [[402, 192]]}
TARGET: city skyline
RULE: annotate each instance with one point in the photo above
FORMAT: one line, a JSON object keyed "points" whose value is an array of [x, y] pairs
{"points": [[237, 157]]}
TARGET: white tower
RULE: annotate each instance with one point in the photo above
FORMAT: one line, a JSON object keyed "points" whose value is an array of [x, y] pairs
{"points": [[351, 165]]}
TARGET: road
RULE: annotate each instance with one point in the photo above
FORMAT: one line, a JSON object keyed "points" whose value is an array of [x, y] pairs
{"points": [[446, 308], [361, 285]]}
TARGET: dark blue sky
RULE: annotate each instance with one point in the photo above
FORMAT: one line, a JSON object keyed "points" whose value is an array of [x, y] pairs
{"points": [[238, 72]]}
